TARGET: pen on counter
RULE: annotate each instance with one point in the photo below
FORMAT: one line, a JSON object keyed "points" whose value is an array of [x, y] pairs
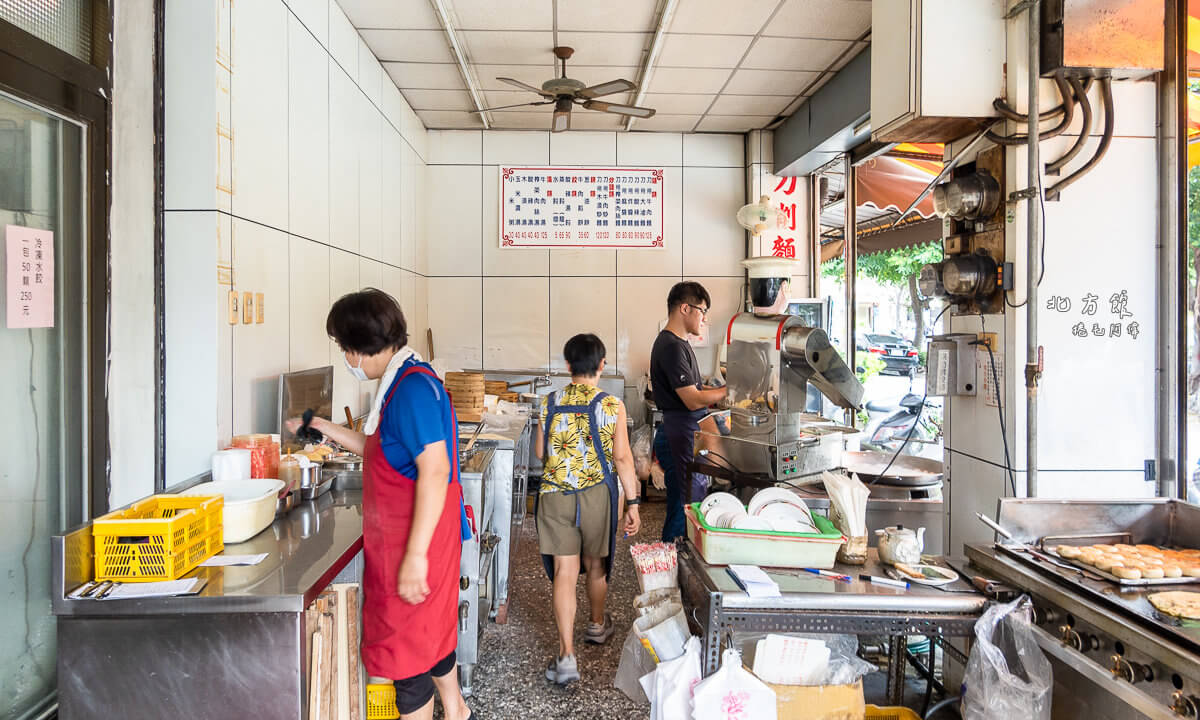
{"points": [[883, 581], [828, 574], [736, 580]]}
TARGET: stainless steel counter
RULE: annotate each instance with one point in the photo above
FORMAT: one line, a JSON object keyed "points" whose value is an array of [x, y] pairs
{"points": [[235, 650], [306, 549]]}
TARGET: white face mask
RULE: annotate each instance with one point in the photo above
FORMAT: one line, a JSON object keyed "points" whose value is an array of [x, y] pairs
{"points": [[358, 372]]}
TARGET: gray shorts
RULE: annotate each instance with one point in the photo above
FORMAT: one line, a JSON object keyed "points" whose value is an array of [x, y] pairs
{"points": [[557, 534]]}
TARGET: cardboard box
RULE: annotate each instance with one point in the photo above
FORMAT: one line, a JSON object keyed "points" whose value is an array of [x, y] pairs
{"points": [[821, 702]]}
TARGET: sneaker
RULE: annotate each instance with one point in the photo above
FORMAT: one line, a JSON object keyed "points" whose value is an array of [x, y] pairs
{"points": [[563, 670], [599, 633]]}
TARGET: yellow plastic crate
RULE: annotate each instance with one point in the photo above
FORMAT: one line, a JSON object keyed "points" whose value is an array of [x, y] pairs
{"points": [[160, 538], [890, 713], [381, 702]]}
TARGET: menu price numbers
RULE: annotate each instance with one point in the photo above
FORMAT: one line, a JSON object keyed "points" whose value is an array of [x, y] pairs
{"points": [[581, 207], [29, 261]]}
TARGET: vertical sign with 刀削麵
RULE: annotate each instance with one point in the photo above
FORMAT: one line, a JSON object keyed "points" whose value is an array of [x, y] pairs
{"points": [[568, 207], [29, 289]]}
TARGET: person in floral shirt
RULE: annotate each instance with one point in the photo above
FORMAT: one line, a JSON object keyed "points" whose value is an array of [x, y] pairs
{"points": [[587, 473]]}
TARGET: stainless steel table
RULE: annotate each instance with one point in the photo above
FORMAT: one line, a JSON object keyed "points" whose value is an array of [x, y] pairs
{"points": [[236, 649], [717, 608]]}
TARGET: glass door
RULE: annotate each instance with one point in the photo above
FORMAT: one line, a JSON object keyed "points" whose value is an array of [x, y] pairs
{"points": [[43, 386]]}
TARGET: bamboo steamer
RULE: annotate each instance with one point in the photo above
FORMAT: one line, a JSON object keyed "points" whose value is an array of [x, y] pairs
{"points": [[495, 387], [466, 392]]}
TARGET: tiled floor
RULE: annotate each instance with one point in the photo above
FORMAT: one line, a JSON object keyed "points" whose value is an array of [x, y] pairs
{"points": [[510, 680]]}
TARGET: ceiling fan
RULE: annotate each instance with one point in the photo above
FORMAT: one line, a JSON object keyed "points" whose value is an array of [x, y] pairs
{"points": [[564, 92]]}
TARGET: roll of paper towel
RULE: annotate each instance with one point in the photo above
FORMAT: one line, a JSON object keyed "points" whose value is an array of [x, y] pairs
{"points": [[231, 464]]}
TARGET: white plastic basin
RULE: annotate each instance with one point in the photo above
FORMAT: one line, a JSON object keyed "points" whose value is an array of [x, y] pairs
{"points": [[249, 505]]}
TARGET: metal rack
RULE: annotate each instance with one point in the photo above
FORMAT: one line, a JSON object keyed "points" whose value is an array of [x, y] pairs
{"points": [[717, 609]]}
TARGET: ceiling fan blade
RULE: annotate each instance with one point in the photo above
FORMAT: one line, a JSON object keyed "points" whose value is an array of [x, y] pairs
{"points": [[505, 107], [631, 110], [607, 88], [524, 86], [562, 115]]}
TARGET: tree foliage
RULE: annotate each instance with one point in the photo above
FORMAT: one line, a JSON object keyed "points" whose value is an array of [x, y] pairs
{"points": [[890, 267]]}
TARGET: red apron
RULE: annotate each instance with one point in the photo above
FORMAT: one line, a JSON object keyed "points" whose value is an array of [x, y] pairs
{"points": [[400, 640]]}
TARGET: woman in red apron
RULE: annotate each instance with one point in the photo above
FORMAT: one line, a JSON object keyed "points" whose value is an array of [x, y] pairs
{"points": [[414, 520]]}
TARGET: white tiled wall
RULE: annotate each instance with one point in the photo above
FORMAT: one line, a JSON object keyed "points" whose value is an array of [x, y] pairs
{"points": [[509, 309], [326, 197]]}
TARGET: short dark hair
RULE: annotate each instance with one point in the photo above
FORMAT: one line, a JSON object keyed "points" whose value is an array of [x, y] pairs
{"points": [[584, 353], [367, 322], [688, 292]]}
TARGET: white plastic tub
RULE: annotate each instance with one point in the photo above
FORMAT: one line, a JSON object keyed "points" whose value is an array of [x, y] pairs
{"points": [[249, 505]]}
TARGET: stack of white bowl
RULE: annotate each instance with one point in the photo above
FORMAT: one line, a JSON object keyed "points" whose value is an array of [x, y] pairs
{"points": [[770, 509]]}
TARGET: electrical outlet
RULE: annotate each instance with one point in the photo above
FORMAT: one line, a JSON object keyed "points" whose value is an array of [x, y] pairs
{"points": [[259, 309], [233, 307], [990, 340], [247, 308]]}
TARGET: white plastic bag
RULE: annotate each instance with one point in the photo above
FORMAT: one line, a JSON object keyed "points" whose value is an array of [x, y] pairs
{"points": [[733, 693], [635, 663], [663, 631], [669, 687], [1007, 674], [641, 442]]}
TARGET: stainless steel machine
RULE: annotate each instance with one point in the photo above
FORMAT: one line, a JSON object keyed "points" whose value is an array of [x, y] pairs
{"points": [[771, 360], [1114, 656]]}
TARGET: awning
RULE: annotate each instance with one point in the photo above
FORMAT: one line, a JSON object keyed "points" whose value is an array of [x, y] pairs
{"points": [[911, 233], [893, 180], [885, 187]]}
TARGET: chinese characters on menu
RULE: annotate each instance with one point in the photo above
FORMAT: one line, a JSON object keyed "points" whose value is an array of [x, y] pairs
{"points": [[29, 258], [1118, 322], [581, 207]]}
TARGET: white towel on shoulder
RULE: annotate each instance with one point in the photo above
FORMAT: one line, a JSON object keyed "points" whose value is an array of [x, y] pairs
{"points": [[389, 374]]}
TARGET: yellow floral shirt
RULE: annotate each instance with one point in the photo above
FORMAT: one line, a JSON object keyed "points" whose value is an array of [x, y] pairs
{"points": [[570, 460]]}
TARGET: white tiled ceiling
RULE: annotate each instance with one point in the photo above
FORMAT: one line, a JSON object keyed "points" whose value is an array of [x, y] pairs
{"points": [[723, 66]]}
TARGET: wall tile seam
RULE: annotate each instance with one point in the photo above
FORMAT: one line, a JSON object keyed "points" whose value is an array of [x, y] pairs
{"points": [[354, 80], [311, 240]]}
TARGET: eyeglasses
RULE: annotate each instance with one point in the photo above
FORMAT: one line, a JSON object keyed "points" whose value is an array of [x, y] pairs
{"points": [[703, 310]]}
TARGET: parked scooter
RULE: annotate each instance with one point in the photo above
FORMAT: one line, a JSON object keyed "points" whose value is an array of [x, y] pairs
{"points": [[889, 426]]}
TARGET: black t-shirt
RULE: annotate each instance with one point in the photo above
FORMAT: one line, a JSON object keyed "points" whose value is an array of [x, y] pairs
{"points": [[672, 365]]}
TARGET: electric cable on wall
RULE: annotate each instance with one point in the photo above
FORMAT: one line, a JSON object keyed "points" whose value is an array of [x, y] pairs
{"points": [[919, 411]]}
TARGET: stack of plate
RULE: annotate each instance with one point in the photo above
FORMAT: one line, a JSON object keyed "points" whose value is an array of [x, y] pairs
{"points": [[466, 393], [770, 509]]}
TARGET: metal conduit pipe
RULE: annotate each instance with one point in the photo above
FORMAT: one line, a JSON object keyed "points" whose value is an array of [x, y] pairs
{"points": [[1068, 96], [1106, 140], [1006, 111], [1032, 231], [1085, 106]]}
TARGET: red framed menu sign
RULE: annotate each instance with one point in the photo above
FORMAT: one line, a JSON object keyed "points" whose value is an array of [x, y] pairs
{"points": [[575, 207]]}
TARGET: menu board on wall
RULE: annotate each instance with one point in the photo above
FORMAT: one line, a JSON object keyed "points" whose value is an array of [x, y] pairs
{"points": [[570, 207]]}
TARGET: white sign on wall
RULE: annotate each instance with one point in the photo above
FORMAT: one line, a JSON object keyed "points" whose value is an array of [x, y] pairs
{"points": [[573, 207]]}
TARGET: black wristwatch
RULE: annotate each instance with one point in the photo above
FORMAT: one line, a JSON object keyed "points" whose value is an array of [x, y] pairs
{"points": [[634, 501]]}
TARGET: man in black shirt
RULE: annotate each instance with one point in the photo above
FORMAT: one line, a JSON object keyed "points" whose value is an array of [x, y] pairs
{"points": [[680, 396]]}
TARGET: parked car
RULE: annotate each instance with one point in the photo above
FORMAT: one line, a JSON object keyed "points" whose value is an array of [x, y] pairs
{"points": [[899, 355]]}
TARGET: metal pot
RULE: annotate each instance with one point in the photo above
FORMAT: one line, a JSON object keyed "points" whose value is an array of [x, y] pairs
{"points": [[298, 477], [343, 471]]}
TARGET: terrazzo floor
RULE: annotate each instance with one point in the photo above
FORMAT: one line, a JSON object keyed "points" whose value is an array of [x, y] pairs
{"points": [[509, 682]]}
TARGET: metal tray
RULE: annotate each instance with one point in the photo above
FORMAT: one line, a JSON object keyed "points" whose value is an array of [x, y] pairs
{"points": [[1143, 582]]}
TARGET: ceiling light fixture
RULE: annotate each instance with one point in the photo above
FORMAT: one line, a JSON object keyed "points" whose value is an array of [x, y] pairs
{"points": [[660, 36], [439, 6]]}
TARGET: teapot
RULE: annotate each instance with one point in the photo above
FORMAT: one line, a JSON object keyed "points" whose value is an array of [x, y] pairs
{"points": [[898, 544]]}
